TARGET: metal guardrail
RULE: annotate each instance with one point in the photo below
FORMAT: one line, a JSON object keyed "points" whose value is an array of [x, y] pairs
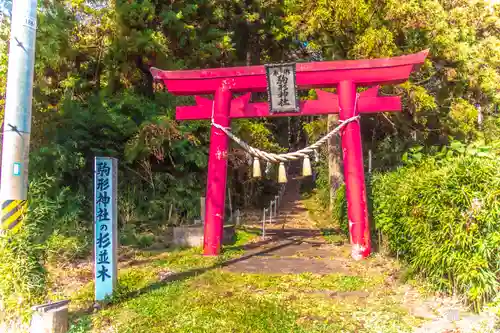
{"points": [[271, 212]]}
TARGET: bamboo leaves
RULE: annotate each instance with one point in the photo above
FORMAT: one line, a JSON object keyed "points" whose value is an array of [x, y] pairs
{"points": [[444, 219]]}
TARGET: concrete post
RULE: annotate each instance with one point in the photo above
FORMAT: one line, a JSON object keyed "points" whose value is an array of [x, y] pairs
{"points": [[50, 318], [17, 119]]}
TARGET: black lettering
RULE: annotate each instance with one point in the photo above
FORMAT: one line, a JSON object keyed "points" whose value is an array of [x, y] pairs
{"points": [[103, 257], [102, 184], [103, 240], [102, 214], [103, 198], [103, 273], [103, 170], [283, 90]]}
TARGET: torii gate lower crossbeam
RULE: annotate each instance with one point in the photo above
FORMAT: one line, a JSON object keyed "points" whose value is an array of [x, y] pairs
{"points": [[345, 75]]}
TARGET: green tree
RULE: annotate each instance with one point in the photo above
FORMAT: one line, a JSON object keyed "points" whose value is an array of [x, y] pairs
{"points": [[461, 72]]}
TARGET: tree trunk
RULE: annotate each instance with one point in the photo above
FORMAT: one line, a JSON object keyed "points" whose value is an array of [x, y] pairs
{"points": [[334, 160], [249, 57]]}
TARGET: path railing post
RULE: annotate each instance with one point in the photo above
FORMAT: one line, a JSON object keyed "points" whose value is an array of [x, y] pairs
{"points": [[271, 212], [264, 223], [369, 161], [357, 210], [276, 204], [217, 172], [238, 219]]}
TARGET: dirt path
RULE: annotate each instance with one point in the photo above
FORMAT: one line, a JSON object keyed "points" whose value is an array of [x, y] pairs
{"points": [[294, 245]]}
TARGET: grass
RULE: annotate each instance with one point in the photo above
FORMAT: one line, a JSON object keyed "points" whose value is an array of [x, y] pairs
{"points": [[317, 213], [323, 219], [218, 301], [210, 299], [142, 269]]}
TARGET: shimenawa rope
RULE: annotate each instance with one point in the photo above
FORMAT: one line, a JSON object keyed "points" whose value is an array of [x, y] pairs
{"points": [[276, 158]]}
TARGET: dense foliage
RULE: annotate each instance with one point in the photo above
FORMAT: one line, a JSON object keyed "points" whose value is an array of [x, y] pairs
{"points": [[441, 213], [93, 94], [440, 100]]}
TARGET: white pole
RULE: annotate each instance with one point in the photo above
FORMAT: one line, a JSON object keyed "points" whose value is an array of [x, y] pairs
{"points": [[271, 212], [17, 119], [264, 223], [369, 161], [230, 205]]}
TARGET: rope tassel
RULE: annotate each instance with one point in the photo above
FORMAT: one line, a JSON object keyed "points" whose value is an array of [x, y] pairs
{"points": [[282, 174], [256, 168], [306, 167]]}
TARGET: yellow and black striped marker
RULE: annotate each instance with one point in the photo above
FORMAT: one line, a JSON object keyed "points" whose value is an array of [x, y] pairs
{"points": [[13, 212]]}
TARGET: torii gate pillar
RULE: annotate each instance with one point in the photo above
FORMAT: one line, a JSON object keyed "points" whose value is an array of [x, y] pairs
{"points": [[345, 75], [217, 172], [354, 176]]}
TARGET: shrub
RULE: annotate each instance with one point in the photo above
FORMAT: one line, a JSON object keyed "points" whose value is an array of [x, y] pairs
{"points": [[340, 210], [65, 248], [22, 275], [442, 215], [322, 197]]}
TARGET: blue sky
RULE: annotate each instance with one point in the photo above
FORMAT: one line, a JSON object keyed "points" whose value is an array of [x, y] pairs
{"points": [[5, 8]]}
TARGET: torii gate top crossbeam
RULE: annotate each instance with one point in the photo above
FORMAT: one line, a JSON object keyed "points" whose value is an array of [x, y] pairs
{"points": [[322, 74]]}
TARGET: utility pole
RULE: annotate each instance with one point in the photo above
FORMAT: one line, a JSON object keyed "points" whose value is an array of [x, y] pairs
{"points": [[17, 118]]}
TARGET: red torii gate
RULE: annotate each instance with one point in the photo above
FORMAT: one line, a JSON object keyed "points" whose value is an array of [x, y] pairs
{"points": [[345, 75]]}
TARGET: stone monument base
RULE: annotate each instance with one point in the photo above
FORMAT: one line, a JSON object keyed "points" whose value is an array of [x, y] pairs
{"points": [[192, 236]]}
